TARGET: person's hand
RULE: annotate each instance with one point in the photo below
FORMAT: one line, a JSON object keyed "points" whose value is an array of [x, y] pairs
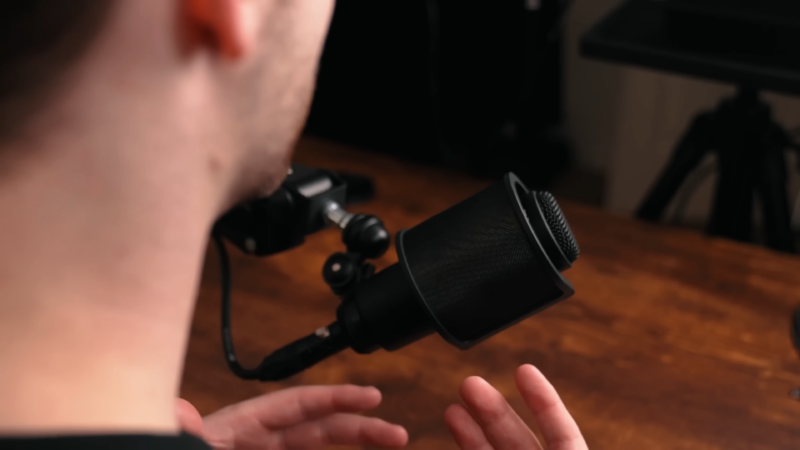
{"points": [[489, 423], [301, 418]]}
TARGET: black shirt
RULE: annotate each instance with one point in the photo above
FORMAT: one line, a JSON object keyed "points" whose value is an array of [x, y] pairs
{"points": [[105, 442]]}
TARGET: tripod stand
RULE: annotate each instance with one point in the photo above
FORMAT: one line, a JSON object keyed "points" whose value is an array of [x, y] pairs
{"points": [[749, 147]]}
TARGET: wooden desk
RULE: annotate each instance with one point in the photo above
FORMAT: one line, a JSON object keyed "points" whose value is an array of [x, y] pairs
{"points": [[673, 340]]}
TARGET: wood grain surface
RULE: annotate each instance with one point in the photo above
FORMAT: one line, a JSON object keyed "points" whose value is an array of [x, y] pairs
{"points": [[673, 340]]}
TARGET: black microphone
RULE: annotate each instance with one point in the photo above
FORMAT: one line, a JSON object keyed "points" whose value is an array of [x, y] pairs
{"points": [[467, 273]]}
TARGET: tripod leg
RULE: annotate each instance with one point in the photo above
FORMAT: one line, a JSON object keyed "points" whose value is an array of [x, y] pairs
{"points": [[688, 155], [772, 189], [732, 213]]}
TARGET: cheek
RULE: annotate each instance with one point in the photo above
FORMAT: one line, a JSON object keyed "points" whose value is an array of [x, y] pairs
{"points": [[312, 20], [283, 85], [318, 14]]}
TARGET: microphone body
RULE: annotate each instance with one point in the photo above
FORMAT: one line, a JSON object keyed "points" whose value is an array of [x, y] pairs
{"points": [[466, 273]]}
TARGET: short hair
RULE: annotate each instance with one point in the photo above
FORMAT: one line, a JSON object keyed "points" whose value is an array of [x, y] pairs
{"points": [[39, 41]]}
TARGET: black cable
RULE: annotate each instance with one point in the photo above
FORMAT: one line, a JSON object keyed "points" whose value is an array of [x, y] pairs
{"points": [[227, 341], [286, 361]]}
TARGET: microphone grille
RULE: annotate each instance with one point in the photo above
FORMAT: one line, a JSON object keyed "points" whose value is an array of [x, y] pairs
{"points": [[558, 226]]}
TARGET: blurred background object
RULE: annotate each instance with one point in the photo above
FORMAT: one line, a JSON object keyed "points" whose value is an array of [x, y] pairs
{"points": [[486, 87], [753, 41], [748, 44], [473, 86]]}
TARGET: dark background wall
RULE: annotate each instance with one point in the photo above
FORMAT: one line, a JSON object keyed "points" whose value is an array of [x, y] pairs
{"points": [[469, 85]]}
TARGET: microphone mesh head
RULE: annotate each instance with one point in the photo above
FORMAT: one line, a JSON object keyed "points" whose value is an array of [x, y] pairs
{"points": [[476, 268], [558, 226]]}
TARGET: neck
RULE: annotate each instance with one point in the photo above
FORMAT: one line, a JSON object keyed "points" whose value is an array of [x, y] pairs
{"points": [[99, 269]]}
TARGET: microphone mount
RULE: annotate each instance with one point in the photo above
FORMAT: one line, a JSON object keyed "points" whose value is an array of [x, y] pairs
{"points": [[307, 202], [365, 237]]}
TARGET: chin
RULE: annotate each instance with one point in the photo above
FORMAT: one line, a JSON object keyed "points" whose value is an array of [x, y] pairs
{"points": [[266, 167], [267, 176]]}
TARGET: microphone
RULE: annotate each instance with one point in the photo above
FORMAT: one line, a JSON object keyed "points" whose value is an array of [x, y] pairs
{"points": [[467, 273]]}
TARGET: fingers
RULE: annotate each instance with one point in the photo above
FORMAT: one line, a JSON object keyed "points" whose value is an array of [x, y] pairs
{"points": [[559, 429], [343, 429], [466, 432], [501, 425], [293, 406], [189, 419]]}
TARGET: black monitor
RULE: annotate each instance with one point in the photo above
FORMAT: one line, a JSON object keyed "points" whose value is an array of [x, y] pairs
{"points": [[749, 17], [754, 27], [746, 10]]}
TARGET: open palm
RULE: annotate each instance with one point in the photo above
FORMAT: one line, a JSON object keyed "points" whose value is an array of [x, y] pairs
{"points": [[487, 422], [307, 418], [302, 418]]}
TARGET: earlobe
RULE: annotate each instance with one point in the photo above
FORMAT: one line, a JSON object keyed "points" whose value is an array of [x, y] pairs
{"points": [[220, 24]]}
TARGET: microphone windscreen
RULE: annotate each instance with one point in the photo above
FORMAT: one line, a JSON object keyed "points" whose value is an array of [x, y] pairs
{"points": [[489, 262]]}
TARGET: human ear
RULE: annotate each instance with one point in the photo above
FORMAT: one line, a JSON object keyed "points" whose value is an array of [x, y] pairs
{"points": [[224, 25]]}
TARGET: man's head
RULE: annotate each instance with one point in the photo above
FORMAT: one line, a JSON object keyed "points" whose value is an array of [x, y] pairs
{"points": [[230, 78], [129, 127]]}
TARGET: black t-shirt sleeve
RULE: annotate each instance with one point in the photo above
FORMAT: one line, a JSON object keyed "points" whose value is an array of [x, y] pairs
{"points": [[117, 442]]}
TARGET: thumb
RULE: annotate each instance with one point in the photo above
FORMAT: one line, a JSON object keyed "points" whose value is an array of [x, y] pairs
{"points": [[189, 419]]}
